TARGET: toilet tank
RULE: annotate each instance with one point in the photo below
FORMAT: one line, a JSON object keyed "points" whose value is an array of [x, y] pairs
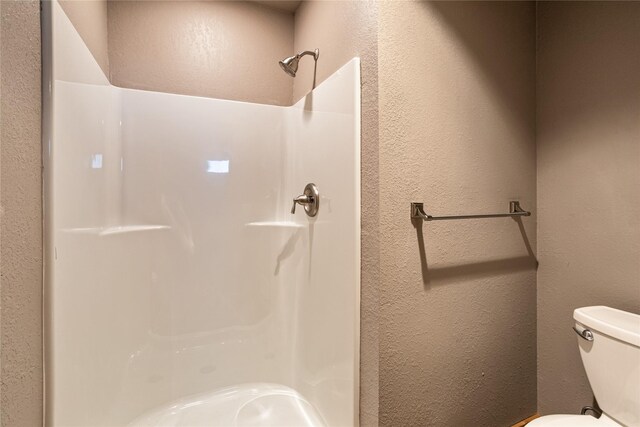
{"points": [[612, 360]]}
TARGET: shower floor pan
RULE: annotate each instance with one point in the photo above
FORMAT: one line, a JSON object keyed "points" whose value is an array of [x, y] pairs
{"points": [[244, 405]]}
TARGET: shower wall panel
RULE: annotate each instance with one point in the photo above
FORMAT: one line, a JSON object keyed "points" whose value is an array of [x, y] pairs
{"points": [[84, 308], [174, 267], [194, 166], [324, 148]]}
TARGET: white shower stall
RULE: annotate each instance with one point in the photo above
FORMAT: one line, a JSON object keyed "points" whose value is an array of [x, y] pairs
{"points": [[180, 289]]}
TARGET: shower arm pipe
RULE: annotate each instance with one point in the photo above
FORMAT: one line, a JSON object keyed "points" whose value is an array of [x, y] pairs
{"points": [[417, 212], [315, 54]]}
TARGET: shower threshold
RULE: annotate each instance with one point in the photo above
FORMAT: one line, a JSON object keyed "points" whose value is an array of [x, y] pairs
{"points": [[243, 405]]}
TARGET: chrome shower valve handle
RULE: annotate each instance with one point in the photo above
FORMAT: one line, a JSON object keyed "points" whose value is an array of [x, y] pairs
{"points": [[301, 200], [310, 200]]}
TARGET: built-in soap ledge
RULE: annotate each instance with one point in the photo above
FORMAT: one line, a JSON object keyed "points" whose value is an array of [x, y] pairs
{"points": [[275, 224], [119, 229]]}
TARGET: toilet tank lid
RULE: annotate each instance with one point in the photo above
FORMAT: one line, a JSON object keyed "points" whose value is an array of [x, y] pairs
{"points": [[612, 322]]}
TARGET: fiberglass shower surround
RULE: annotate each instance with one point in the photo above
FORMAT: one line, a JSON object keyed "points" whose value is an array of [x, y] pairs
{"points": [[180, 288]]}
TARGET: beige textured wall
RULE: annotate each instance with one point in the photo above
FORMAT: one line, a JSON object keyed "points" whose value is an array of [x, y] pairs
{"points": [[89, 17], [457, 132], [20, 215], [588, 181], [219, 49], [343, 30]]}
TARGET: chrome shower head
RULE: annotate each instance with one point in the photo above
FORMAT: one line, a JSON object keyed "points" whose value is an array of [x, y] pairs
{"points": [[290, 64]]}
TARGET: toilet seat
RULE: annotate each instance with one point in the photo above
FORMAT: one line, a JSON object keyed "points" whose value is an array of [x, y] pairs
{"points": [[573, 421]]}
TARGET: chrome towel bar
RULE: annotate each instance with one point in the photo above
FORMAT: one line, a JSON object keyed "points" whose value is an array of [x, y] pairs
{"points": [[417, 212]]}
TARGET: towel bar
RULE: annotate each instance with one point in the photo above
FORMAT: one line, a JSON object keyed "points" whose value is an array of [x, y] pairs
{"points": [[417, 212]]}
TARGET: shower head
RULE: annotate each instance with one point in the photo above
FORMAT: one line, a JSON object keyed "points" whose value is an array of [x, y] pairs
{"points": [[290, 64]]}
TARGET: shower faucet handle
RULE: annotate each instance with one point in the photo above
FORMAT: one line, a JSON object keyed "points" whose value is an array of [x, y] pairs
{"points": [[310, 200], [301, 200]]}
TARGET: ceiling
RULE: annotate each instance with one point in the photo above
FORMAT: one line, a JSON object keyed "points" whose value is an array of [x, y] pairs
{"points": [[286, 5]]}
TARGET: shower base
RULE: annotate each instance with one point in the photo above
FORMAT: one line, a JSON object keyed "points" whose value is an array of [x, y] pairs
{"points": [[251, 404]]}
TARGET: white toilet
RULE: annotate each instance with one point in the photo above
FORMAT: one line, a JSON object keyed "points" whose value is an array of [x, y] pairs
{"points": [[609, 341]]}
